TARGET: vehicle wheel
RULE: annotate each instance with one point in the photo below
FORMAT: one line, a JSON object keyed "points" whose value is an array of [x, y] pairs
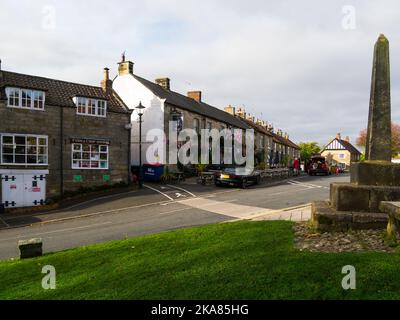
{"points": [[217, 183], [244, 184], [258, 181]]}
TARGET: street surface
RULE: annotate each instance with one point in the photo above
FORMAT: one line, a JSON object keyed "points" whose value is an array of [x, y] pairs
{"points": [[159, 208]]}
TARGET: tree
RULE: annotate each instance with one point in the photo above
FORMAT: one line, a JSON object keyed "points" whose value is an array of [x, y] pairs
{"points": [[362, 138], [308, 149]]}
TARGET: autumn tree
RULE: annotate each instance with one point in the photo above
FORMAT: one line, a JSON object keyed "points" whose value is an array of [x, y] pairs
{"points": [[362, 138]]}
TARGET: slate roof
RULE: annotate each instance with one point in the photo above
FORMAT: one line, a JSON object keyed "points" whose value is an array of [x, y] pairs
{"points": [[285, 141], [189, 104], [257, 127], [58, 92]]}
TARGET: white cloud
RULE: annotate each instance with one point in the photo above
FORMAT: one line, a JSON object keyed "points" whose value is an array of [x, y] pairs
{"points": [[292, 62]]}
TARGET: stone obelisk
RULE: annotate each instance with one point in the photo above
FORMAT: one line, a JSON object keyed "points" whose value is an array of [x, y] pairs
{"points": [[379, 136]]}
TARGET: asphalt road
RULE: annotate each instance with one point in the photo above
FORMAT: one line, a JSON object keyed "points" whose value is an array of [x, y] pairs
{"points": [[154, 209]]}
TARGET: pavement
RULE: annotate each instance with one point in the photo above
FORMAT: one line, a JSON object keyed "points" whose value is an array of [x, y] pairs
{"points": [[158, 208]]}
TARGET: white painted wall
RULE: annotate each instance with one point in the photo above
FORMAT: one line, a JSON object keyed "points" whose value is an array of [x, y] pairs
{"points": [[132, 92]]}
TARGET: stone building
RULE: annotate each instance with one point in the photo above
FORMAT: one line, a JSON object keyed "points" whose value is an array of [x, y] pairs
{"points": [[341, 151], [270, 147], [59, 136], [163, 105]]}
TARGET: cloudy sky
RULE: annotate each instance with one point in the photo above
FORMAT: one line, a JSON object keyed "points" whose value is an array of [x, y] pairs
{"points": [[304, 66]]}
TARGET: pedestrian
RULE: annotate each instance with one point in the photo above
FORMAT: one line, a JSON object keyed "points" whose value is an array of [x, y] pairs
{"points": [[296, 166]]}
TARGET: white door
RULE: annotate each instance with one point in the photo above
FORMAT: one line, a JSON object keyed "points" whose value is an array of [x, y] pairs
{"points": [[23, 190], [12, 194], [34, 190]]}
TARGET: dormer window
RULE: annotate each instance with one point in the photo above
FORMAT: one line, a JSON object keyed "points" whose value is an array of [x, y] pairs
{"points": [[91, 107], [25, 98]]}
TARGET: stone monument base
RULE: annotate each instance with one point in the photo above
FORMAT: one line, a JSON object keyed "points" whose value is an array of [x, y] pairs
{"points": [[325, 218], [375, 173], [361, 198]]}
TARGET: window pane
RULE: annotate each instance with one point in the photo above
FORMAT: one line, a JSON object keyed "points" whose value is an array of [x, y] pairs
{"points": [[77, 155], [94, 148], [20, 159], [42, 159], [31, 141], [76, 164], [94, 164], [103, 148], [104, 164], [77, 147], [86, 147], [86, 156], [20, 149], [20, 140], [8, 158], [103, 156], [31, 150], [43, 141], [8, 139], [31, 159], [8, 149], [85, 164], [42, 150]]}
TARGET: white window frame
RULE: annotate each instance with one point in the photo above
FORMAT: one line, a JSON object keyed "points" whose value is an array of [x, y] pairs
{"points": [[90, 160], [96, 107], [30, 101], [26, 146]]}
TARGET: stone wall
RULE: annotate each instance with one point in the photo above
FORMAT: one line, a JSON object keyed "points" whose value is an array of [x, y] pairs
{"points": [[47, 122]]}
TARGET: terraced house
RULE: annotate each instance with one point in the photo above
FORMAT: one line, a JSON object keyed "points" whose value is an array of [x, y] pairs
{"points": [[270, 147], [58, 136], [163, 105]]}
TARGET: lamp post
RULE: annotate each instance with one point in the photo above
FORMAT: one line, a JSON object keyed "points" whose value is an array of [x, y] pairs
{"points": [[139, 110]]}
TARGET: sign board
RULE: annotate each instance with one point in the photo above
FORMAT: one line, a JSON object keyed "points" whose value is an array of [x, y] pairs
{"points": [[90, 141]]}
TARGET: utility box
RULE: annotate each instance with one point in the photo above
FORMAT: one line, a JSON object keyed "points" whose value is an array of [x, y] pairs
{"points": [[23, 190]]}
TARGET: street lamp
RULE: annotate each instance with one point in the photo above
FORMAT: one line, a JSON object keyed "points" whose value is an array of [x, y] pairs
{"points": [[139, 110]]}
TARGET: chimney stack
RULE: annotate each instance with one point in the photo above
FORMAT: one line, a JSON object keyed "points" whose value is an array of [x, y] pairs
{"points": [[229, 109], [164, 82], [106, 83], [339, 136], [195, 95], [347, 139], [241, 113], [125, 67]]}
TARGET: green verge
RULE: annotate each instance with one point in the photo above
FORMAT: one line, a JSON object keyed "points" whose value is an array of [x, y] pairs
{"points": [[241, 260]]}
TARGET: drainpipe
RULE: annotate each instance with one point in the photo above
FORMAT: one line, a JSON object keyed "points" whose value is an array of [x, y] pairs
{"points": [[61, 151]]}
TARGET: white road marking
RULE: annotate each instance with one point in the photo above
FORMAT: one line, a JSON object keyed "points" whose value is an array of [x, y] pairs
{"points": [[179, 188], [58, 231], [162, 193], [294, 182]]}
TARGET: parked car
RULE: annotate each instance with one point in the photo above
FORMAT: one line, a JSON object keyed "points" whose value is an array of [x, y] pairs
{"points": [[318, 165], [240, 177]]}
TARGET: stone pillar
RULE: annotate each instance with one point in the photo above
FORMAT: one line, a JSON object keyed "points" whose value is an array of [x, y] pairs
{"points": [[379, 134]]}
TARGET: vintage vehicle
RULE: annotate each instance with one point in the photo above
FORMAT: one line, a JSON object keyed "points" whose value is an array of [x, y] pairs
{"points": [[240, 177], [318, 165]]}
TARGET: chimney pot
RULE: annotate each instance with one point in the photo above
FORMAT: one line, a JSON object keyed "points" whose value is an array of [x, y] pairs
{"points": [[195, 95], [164, 82], [339, 136], [347, 139]]}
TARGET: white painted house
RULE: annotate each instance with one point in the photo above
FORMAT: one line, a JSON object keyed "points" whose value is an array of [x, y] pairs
{"points": [[162, 105]]}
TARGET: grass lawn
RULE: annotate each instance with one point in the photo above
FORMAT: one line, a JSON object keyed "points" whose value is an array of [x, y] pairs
{"points": [[241, 260]]}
